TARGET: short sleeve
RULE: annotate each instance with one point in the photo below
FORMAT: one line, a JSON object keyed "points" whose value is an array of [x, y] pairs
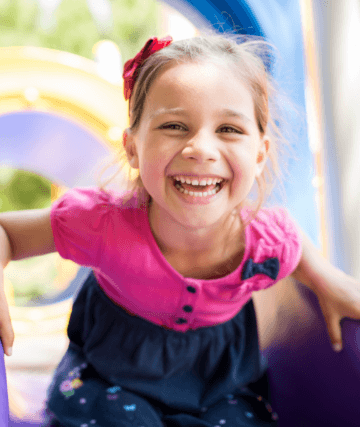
{"points": [[286, 237], [273, 237], [79, 224]]}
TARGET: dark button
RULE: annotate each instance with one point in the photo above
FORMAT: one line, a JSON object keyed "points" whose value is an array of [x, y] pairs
{"points": [[188, 308], [180, 321], [191, 289]]}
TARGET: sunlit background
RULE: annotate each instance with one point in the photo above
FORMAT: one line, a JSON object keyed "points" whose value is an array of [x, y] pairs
{"points": [[61, 82], [62, 114], [99, 30]]}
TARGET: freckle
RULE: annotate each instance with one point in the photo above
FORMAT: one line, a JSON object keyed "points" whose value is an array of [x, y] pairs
{"points": [[82, 400]]}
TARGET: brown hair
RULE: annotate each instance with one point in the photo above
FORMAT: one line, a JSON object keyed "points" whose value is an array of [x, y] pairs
{"points": [[251, 57]]}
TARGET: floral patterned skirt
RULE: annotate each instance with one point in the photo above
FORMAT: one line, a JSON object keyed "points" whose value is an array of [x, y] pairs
{"points": [[121, 370]]}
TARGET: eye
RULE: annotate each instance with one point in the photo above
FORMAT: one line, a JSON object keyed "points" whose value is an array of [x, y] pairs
{"points": [[172, 126], [231, 130]]}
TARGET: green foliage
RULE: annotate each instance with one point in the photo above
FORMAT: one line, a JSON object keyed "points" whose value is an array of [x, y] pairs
{"points": [[75, 30], [134, 22], [21, 190], [18, 23]]}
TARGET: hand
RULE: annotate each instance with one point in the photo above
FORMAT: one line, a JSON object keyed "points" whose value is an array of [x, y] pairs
{"points": [[6, 329], [339, 297]]}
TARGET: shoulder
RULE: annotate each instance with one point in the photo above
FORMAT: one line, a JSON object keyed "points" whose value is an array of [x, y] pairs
{"points": [[274, 234], [273, 225], [85, 219], [90, 207], [90, 198]]}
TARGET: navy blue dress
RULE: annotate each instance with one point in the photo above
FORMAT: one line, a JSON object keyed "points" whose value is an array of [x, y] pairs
{"points": [[121, 370]]}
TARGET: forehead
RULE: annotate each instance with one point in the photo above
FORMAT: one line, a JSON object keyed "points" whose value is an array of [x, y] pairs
{"points": [[193, 84]]}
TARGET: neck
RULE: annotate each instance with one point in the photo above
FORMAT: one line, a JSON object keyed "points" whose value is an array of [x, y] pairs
{"points": [[174, 238]]}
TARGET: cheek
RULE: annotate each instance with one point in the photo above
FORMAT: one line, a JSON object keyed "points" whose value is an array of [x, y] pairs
{"points": [[243, 169], [243, 160], [152, 170], [160, 160], [239, 164], [154, 164]]}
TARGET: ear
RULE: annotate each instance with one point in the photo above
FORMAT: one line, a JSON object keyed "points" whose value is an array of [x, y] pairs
{"points": [[262, 154], [130, 148]]}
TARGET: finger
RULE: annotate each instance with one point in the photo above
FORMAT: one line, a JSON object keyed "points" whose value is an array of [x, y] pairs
{"points": [[334, 328], [6, 329], [7, 339], [7, 336], [332, 319]]}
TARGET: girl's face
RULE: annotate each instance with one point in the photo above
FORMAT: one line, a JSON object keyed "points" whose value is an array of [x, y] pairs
{"points": [[198, 123]]}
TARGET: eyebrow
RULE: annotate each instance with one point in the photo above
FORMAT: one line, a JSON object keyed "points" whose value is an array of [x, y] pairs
{"points": [[233, 113], [180, 111], [177, 111]]}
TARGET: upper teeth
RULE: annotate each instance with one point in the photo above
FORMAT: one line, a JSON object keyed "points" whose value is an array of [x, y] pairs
{"points": [[203, 181]]}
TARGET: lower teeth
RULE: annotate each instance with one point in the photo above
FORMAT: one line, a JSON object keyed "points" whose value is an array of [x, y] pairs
{"points": [[198, 194]]}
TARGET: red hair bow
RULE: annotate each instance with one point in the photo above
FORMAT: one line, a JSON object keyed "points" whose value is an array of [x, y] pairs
{"points": [[132, 65]]}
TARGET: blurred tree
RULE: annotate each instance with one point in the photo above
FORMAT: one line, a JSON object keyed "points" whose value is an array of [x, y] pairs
{"points": [[73, 28], [23, 190], [32, 277], [28, 191]]}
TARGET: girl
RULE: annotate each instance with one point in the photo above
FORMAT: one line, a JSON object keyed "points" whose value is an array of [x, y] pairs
{"points": [[163, 331]]}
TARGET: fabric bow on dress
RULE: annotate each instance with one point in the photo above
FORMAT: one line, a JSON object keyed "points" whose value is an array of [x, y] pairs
{"points": [[270, 267]]}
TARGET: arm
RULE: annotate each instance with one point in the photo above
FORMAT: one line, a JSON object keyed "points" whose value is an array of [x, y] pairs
{"points": [[312, 265], [5, 249], [23, 234], [338, 293], [28, 232]]}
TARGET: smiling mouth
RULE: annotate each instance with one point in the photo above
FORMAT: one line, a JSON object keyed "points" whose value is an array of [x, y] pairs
{"points": [[198, 190]]}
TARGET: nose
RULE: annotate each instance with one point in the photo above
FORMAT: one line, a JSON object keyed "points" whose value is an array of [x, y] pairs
{"points": [[202, 147]]}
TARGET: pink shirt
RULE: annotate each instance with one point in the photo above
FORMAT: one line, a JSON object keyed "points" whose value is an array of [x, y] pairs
{"points": [[92, 229]]}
